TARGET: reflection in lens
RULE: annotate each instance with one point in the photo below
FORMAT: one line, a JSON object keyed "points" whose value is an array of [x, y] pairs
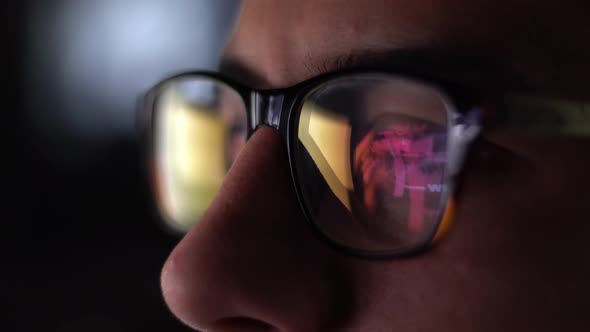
{"points": [[200, 128], [371, 161]]}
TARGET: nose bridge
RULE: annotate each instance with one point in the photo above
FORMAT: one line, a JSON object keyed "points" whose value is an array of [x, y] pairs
{"points": [[251, 259], [266, 109]]}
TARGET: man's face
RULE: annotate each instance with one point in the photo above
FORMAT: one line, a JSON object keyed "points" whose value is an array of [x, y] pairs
{"points": [[516, 258]]}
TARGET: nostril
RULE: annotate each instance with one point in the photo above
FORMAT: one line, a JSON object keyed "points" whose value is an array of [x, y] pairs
{"points": [[242, 324]]}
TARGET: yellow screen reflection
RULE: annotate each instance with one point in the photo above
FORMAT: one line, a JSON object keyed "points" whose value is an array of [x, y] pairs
{"points": [[191, 158], [326, 136]]}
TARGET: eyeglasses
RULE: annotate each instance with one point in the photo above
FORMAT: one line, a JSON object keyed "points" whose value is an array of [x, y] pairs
{"points": [[374, 156]]}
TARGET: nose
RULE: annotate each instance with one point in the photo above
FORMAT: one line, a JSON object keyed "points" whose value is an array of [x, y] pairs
{"points": [[252, 263]]}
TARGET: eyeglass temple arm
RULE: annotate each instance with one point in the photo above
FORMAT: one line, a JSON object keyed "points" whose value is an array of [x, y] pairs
{"points": [[542, 116]]}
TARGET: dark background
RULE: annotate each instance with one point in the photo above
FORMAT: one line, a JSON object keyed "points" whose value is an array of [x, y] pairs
{"points": [[82, 245]]}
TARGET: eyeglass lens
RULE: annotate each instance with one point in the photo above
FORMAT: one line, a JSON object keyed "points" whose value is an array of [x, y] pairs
{"points": [[200, 128], [371, 161]]}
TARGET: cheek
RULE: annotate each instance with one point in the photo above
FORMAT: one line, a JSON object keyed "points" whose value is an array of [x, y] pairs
{"points": [[515, 250], [522, 227], [524, 203], [440, 288]]}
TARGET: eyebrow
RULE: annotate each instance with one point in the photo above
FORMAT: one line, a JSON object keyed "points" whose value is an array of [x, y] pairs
{"points": [[461, 66]]}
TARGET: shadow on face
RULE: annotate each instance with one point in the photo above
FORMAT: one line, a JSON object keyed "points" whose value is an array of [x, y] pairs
{"points": [[515, 258]]}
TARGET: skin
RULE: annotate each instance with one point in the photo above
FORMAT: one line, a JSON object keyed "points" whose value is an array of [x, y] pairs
{"points": [[516, 258]]}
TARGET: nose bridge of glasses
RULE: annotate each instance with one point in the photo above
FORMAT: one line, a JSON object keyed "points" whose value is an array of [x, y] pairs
{"points": [[266, 109]]}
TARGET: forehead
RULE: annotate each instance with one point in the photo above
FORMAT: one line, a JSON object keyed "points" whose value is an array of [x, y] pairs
{"points": [[288, 41]]}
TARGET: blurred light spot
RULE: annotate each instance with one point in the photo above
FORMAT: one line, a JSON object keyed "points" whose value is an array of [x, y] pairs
{"points": [[88, 61]]}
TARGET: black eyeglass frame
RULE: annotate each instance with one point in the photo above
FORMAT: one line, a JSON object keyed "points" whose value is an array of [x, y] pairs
{"points": [[281, 108]]}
